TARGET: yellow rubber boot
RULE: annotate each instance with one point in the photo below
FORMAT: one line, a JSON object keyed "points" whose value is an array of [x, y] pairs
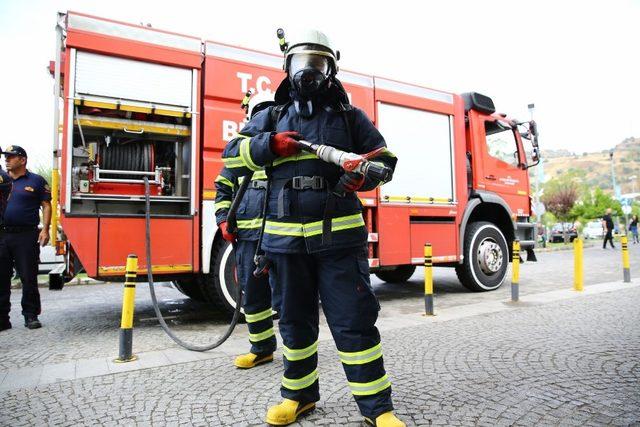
{"points": [[386, 420], [287, 412], [250, 360]]}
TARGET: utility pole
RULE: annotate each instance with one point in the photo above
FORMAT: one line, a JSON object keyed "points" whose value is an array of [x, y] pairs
{"points": [[616, 194]]}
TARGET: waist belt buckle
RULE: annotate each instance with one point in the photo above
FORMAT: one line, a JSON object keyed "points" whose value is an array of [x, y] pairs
{"points": [[317, 182], [298, 182]]}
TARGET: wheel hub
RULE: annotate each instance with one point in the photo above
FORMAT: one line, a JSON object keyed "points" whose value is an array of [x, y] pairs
{"points": [[490, 256]]}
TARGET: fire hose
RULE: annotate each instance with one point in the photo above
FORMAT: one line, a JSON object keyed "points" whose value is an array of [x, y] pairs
{"points": [[165, 327]]}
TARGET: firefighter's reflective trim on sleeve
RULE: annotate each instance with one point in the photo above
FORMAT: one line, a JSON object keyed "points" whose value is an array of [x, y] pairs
{"points": [[293, 354], [386, 152], [297, 157], [313, 228], [300, 383], [233, 162], [245, 154], [222, 180], [256, 317], [247, 224], [262, 335], [373, 387], [361, 357], [225, 204]]}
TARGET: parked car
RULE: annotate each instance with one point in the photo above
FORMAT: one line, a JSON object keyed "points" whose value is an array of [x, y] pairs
{"points": [[557, 235], [48, 259], [593, 230]]}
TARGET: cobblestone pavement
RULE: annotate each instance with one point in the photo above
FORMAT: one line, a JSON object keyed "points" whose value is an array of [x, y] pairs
{"points": [[572, 362], [81, 322]]}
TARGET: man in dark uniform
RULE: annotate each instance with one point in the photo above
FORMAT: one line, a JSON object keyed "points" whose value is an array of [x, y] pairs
{"points": [[314, 232], [5, 190], [21, 239]]}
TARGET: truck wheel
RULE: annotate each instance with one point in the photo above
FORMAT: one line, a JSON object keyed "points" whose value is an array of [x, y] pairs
{"points": [[219, 287], [400, 274], [190, 287], [486, 257]]}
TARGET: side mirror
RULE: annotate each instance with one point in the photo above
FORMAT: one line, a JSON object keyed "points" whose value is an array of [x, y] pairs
{"points": [[535, 156], [533, 133]]}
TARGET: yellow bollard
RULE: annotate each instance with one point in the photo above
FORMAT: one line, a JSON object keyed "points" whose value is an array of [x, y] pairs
{"points": [[578, 279], [126, 322], [428, 279], [626, 272], [515, 263]]}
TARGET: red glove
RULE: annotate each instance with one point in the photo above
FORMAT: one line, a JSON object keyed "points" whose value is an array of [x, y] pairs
{"points": [[229, 237], [351, 181], [285, 144]]}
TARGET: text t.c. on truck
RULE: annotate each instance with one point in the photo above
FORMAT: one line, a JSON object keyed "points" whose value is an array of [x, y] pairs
{"points": [[135, 102]]}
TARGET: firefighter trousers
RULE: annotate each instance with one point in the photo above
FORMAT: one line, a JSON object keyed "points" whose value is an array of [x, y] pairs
{"points": [[341, 279], [256, 300]]}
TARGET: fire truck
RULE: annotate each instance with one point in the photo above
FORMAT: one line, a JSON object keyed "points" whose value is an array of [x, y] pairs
{"points": [[133, 102]]}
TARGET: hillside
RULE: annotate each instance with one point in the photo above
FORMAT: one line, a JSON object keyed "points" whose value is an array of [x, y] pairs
{"points": [[597, 166]]}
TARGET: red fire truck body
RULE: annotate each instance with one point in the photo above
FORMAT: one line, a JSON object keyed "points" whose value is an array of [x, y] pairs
{"points": [[136, 101]]}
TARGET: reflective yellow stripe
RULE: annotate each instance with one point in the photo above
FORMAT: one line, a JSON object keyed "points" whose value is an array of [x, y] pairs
{"points": [[313, 228], [222, 180], [361, 357], [225, 204], [262, 335], [284, 229], [233, 162], [373, 387], [293, 354], [250, 223], [261, 174], [297, 157], [252, 318], [245, 153], [300, 383]]}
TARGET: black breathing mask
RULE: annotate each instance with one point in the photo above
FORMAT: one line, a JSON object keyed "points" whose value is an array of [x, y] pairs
{"points": [[309, 73]]}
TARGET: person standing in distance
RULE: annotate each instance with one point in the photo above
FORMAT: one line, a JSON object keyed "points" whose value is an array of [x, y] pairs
{"points": [[607, 224], [21, 239]]}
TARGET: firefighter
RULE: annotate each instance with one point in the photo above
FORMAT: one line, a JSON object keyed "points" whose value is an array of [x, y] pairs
{"points": [[20, 235], [257, 299], [314, 232]]}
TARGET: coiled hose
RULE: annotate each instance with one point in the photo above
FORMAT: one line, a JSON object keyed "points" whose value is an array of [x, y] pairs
{"points": [[165, 327]]}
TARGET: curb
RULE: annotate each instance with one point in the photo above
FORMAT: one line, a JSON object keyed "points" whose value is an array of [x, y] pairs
{"points": [[560, 248]]}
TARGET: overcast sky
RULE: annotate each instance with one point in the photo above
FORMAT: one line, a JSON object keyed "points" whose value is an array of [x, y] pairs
{"points": [[578, 61]]}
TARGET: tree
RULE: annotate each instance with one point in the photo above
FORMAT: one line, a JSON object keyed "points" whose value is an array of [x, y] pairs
{"points": [[594, 203], [559, 199]]}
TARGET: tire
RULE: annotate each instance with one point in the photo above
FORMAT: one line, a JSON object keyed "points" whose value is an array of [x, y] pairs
{"points": [[400, 274], [484, 271], [190, 287], [219, 287]]}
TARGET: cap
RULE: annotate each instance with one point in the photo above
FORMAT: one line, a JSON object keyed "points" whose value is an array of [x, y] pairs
{"points": [[14, 150]]}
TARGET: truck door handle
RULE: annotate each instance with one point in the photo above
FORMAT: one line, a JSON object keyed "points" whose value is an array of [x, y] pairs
{"points": [[491, 177]]}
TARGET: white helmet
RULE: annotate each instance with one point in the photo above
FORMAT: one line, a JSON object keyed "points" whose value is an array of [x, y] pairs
{"points": [[311, 42], [259, 102]]}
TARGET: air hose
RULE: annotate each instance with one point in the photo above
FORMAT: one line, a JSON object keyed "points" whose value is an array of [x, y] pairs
{"points": [[165, 327]]}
